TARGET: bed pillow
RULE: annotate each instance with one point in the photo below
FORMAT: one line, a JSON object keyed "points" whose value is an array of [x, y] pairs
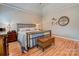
{"points": [[28, 29], [32, 29], [24, 29]]}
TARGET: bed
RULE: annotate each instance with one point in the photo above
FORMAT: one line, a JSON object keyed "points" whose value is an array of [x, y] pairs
{"points": [[28, 35]]}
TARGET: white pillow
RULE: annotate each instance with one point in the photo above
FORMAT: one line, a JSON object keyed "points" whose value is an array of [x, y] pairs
{"points": [[27, 29], [32, 29], [24, 29]]}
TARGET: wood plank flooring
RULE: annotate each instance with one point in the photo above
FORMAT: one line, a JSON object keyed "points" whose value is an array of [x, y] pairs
{"points": [[62, 47]]}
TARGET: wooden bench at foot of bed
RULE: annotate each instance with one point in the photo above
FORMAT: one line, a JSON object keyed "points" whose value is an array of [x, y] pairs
{"points": [[45, 42]]}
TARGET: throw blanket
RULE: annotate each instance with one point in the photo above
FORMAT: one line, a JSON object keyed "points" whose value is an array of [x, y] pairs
{"points": [[22, 38]]}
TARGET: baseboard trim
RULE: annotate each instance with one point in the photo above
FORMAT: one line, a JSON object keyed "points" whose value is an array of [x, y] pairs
{"points": [[65, 37]]}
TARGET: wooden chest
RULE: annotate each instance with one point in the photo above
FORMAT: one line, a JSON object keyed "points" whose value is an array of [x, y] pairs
{"points": [[45, 42]]}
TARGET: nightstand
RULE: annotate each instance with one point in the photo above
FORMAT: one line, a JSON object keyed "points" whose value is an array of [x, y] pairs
{"points": [[11, 36]]}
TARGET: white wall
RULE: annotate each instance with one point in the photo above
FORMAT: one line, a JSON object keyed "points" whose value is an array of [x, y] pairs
{"points": [[69, 31], [12, 16]]}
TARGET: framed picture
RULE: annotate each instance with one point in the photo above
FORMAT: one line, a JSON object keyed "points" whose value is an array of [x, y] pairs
{"points": [[63, 21]]}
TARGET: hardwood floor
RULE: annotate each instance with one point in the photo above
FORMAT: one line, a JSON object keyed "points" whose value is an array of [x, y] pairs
{"points": [[62, 47]]}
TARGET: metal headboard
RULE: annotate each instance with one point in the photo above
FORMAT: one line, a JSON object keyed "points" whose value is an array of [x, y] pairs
{"points": [[21, 25]]}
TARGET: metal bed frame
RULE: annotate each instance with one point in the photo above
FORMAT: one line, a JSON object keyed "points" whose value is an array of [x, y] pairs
{"points": [[21, 25]]}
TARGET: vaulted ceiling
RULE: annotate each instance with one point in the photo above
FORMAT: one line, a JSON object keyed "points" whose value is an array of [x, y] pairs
{"points": [[38, 7]]}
